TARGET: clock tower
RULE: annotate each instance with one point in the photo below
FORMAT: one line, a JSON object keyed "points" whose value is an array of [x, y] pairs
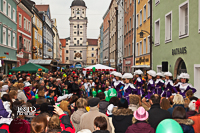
{"points": [[78, 33]]}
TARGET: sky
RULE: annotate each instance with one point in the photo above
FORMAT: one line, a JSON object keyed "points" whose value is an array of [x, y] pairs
{"points": [[60, 9]]}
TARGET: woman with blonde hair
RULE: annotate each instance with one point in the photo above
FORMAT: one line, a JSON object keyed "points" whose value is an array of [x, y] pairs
{"points": [[64, 105], [81, 104], [20, 95], [177, 101]]}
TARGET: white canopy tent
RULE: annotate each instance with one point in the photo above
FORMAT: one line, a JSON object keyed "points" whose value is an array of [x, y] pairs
{"points": [[99, 67]]}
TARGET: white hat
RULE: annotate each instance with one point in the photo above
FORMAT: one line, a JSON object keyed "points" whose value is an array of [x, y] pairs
{"points": [[138, 72], [192, 105], [152, 73], [159, 74], [184, 76], [117, 74], [127, 76], [60, 98], [110, 109], [168, 74], [4, 88], [113, 73], [27, 84]]}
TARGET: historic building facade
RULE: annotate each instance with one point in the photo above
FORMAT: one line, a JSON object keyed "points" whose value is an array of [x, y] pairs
{"points": [[128, 35], [24, 33], [37, 34], [8, 35], [48, 34], [120, 43], [78, 33], [100, 59], [92, 45], [106, 19]]}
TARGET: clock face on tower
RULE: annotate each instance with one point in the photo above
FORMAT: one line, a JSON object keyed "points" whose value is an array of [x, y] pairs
{"points": [[78, 11]]}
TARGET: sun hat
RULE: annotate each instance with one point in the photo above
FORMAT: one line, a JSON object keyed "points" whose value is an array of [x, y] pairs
{"points": [[168, 74], [4, 88], [110, 109], [127, 76], [117, 74], [152, 73], [159, 74], [141, 114], [184, 76], [138, 72], [27, 84]]}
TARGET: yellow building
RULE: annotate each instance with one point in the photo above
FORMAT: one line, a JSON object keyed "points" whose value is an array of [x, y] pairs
{"points": [[92, 46], [142, 58], [37, 32]]}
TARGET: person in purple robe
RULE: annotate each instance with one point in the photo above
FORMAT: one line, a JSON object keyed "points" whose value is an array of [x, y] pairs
{"points": [[169, 87], [3, 112], [139, 83], [184, 86], [129, 87], [150, 84], [159, 83], [118, 83]]}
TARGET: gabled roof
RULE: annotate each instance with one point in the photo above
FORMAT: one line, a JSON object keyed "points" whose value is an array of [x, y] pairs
{"points": [[42, 7], [92, 42]]}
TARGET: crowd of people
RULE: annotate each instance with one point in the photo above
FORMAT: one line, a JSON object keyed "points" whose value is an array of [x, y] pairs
{"points": [[70, 101]]}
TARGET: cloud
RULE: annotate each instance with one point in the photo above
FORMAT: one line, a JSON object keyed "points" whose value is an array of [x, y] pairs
{"points": [[60, 9]]}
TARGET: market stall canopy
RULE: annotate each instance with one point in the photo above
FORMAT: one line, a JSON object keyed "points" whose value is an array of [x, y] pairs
{"points": [[30, 67], [40, 62], [99, 67]]}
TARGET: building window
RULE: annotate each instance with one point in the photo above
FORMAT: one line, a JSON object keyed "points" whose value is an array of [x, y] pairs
{"points": [[74, 38], [80, 44], [24, 23], [9, 38], [141, 48], [80, 51], [14, 16], [130, 24], [74, 51], [138, 1], [66, 58], [199, 16], [14, 40], [144, 46], [145, 11], [157, 32], [80, 26], [140, 17], [81, 32], [149, 44], [92, 48], [81, 38], [92, 61], [4, 35], [0, 4], [157, 2], [137, 19], [74, 26], [20, 20], [183, 20], [149, 9], [129, 51], [74, 44], [9, 10], [66, 51], [92, 55], [168, 27], [137, 49], [4, 6], [74, 32]]}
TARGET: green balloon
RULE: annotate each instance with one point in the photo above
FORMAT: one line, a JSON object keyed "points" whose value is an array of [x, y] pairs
{"points": [[112, 93], [36, 96], [94, 93], [99, 91], [106, 95], [169, 126], [93, 69]]}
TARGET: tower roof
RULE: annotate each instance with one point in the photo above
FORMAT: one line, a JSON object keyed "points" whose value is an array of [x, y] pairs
{"points": [[78, 3]]}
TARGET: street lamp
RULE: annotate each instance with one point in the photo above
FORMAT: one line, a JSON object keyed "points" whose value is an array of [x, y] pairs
{"points": [[142, 33]]}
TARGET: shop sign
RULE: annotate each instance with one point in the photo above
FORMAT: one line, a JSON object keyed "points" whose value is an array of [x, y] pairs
{"points": [[182, 50], [20, 55], [127, 62], [145, 60]]}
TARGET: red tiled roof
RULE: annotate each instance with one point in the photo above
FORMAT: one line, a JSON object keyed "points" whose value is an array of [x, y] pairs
{"points": [[63, 42], [93, 42], [42, 7]]}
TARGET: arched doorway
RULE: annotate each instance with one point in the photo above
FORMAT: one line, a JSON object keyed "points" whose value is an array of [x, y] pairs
{"points": [[180, 67], [78, 65]]}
